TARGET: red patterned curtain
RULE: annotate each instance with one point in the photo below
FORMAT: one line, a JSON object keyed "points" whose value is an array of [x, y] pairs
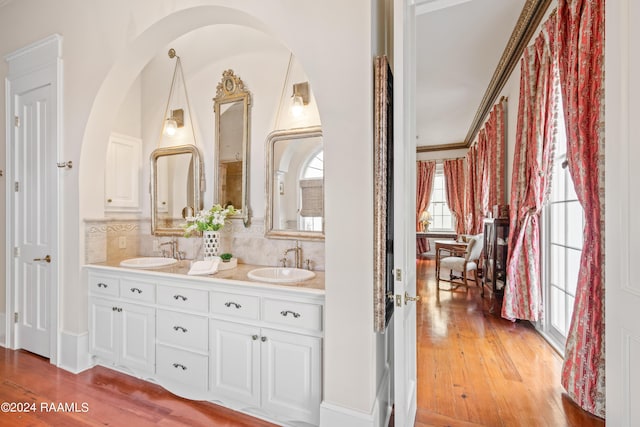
{"points": [[482, 193], [495, 156], [532, 167], [426, 170], [470, 191], [454, 188], [581, 59]]}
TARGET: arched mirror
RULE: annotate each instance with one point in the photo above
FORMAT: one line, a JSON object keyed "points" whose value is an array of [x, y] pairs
{"points": [[231, 109], [295, 184], [176, 176]]}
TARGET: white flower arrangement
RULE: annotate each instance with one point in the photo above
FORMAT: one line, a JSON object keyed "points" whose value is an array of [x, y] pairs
{"points": [[208, 220]]}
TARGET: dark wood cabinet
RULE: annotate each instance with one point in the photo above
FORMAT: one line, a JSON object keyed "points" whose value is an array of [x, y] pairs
{"points": [[496, 237]]}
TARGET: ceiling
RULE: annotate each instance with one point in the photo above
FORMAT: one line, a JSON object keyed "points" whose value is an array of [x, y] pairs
{"points": [[458, 46]]}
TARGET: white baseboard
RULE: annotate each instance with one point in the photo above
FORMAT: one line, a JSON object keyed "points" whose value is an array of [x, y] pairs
{"points": [[74, 352], [332, 415], [3, 329]]}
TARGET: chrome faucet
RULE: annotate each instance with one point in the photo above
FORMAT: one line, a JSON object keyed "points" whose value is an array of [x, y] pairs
{"points": [[298, 254], [175, 253]]}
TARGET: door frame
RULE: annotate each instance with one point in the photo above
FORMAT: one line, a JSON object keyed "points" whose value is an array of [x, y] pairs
{"points": [[43, 57], [404, 342]]}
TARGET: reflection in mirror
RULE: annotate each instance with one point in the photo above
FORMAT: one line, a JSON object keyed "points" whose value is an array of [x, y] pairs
{"points": [[176, 174], [295, 184], [231, 107]]}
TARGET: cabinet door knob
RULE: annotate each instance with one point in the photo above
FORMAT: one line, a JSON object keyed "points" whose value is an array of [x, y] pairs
{"points": [[254, 337], [263, 339]]}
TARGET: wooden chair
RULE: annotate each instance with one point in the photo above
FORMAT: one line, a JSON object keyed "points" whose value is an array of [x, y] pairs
{"points": [[462, 262]]}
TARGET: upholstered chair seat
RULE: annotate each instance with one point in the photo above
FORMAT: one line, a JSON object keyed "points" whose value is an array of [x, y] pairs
{"points": [[462, 263]]}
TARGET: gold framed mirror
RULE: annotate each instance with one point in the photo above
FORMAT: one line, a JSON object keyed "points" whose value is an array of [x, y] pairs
{"points": [[231, 152], [295, 184], [176, 183]]}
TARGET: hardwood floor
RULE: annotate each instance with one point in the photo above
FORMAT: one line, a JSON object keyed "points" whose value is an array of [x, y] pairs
{"points": [[97, 397], [477, 369]]}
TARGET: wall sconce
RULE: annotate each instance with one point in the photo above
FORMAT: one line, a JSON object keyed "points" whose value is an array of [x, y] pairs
{"points": [[175, 121], [300, 98]]}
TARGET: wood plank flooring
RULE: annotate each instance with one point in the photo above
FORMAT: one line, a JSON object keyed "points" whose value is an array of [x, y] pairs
{"points": [[110, 399], [477, 369], [474, 369]]}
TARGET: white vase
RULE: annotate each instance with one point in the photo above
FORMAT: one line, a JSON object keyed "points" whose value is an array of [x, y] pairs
{"points": [[210, 244]]}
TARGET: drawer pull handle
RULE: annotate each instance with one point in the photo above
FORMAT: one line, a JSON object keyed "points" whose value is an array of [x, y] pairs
{"points": [[230, 303], [293, 313], [102, 285], [254, 337], [263, 339], [182, 297], [180, 328], [180, 365], [138, 290]]}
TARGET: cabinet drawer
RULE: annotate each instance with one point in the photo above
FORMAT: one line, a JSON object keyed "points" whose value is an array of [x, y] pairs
{"points": [[138, 291], [183, 330], [295, 314], [183, 298], [103, 285], [244, 306], [183, 367]]}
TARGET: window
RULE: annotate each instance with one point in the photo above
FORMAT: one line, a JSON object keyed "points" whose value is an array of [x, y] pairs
{"points": [[562, 241], [441, 218], [312, 193]]}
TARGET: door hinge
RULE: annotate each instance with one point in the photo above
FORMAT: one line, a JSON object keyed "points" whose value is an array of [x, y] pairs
{"points": [[15, 317], [16, 251], [16, 121], [398, 275], [16, 187]]}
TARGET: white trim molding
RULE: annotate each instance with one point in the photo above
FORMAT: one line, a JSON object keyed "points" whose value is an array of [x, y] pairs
{"points": [[74, 352]]}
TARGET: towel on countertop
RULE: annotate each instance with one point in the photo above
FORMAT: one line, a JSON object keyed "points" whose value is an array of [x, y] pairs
{"points": [[209, 266]]}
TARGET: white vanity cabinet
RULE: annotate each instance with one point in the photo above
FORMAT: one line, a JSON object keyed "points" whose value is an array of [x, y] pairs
{"points": [[248, 346], [121, 333]]}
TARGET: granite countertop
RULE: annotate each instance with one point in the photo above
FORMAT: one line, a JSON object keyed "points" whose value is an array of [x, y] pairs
{"points": [[233, 275]]}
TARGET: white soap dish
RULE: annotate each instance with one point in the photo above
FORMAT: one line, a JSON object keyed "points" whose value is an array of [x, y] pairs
{"points": [[233, 263]]}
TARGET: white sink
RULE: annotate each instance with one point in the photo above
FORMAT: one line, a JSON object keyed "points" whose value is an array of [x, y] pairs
{"points": [[281, 274], [148, 262]]}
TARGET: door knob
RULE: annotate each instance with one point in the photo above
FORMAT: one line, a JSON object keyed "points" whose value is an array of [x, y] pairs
{"points": [[45, 259], [407, 298]]}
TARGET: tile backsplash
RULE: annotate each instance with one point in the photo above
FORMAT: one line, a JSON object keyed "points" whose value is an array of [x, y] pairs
{"points": [[113, 240]]}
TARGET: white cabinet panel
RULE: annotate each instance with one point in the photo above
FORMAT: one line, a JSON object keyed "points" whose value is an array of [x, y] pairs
{"points": [[183, 298], [122, 174], [183, 330], [183, 367], [138, 333], [103, 329], [235, 361], [291, 381]]}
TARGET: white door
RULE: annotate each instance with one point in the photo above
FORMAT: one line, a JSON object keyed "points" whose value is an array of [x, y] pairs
{"points": [[404, 318], [137, 336], [34, 164], [622, 193]]}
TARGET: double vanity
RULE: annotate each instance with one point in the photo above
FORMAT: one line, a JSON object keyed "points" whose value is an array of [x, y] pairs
{"points": [[246, 338]]}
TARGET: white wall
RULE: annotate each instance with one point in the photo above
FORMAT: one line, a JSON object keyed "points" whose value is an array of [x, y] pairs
{"points": [[107, 44]]}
